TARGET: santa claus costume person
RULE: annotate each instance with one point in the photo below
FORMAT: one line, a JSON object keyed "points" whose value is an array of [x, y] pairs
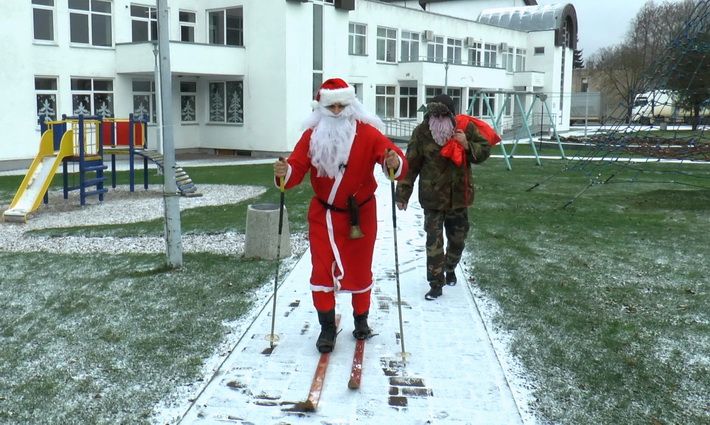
{"points": [[340, 148]]}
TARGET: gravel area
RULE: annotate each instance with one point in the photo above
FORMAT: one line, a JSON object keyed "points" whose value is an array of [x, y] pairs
{"points": [[121, 206]]}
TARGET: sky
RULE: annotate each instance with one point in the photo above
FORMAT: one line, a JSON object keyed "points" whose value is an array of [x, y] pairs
{"points": [[602, 23]]}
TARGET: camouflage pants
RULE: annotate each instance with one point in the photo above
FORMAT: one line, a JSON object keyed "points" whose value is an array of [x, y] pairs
{"points": [[455, 224]]}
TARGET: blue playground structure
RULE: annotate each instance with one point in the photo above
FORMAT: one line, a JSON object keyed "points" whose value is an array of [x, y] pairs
{"points": [[83, 141]]}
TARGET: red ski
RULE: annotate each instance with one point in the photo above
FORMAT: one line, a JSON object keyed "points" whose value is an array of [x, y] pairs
{"points": [[311, 403], [356, 371]]}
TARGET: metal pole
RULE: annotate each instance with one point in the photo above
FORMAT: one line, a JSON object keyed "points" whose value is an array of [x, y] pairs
{"points": [[396, 263], [446, 77], [170, 194], [158, 108], [586, 112], [282, 202]]}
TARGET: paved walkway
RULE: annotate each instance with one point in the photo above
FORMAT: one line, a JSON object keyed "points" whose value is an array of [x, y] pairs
{"points": [[451, 376]]}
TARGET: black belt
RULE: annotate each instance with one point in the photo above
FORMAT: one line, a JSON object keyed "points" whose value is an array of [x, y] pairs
{"points": [[337, 209]]}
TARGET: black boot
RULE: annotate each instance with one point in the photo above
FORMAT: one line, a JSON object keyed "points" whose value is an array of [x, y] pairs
{"points": [[326, 339], [451, 278], [362, 331], [435, 291]]}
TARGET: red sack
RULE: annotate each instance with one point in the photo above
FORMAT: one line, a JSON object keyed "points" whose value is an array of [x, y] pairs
{"points": [[483, 127], [454, 151]]}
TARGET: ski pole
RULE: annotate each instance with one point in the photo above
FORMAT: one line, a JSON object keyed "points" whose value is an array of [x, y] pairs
{"points": [[396, 262], [282, 184]]}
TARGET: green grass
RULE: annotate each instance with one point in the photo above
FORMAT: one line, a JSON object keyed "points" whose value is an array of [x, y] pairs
{"points": [[102, 339], [606, 299]]}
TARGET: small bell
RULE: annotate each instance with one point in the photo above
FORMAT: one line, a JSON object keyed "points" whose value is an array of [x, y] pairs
{"points": [[355, 232]]}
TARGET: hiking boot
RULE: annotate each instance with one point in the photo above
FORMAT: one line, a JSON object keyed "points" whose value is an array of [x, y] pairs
{"points": [[328, 332], [451, 278], [434, 293], [362, 331]]}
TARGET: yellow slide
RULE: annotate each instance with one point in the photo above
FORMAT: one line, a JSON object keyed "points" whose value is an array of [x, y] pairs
{"points": [[39, 176]]}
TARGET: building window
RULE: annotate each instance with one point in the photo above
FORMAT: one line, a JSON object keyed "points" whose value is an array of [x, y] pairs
{"points": [[407, 102], [507, 59], [92, 96], [475, 53], [187, 26], [46, 95], [357, 39], [386, 44], [483, 101], [520, 60], [90, 22], [435, 49], [454, 48], [226, 27], [455, 95], [489, 55], [144, 23], [384, 101], [144, 100], [508, 110], [539, 50], [409, 46], [43, 19], [226, 102], [188, 106], [432, 92]]}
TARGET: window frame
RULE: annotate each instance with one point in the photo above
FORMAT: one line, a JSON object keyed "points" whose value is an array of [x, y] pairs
{"points": [[520, 61], [52, 92], [437, 43], [408, 101], [385, 98], [92, 94], [409, 43], [150, 94], [354, 36], [475, 54], [239, 118], [490, 58], [187, 24], [454, 47], [52, 18], [387, 45], [225, 28], [90, 15], [151, 21], [187, 94]]}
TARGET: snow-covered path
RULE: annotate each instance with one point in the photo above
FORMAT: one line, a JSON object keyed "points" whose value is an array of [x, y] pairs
{"points": [[452, 374]]}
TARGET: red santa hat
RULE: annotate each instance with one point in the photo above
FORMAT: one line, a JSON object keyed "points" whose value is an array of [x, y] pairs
{"points": [[334, 90]]}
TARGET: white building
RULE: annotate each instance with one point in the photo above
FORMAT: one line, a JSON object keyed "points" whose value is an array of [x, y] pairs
{"points": [[244, 71]]}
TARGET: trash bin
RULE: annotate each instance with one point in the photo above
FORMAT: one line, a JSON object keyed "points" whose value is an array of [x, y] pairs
{"points": [[262, 232]]}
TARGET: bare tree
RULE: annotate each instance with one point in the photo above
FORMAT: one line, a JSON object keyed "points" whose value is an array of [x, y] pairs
{"points": [[641, 62]]}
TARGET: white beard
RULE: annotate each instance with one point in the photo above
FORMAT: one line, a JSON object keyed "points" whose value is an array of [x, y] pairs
{"points": [[331, 141]]}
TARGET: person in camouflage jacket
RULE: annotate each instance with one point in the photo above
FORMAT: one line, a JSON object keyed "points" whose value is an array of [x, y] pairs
{"points": [[445, 189]]}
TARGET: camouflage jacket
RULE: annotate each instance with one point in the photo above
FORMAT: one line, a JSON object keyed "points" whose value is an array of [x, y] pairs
{"points": [[442, 185]]}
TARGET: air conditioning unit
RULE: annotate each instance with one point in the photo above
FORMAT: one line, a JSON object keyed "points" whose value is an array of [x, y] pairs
{"points": [[502, 46], [469, 41], [428, 35]]}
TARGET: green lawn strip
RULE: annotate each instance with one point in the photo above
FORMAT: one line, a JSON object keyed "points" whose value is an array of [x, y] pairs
{"points": [[606, 299], [102, 339]]}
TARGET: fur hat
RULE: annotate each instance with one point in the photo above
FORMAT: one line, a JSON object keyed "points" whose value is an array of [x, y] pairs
{"points": [[441, 105], [334, 90]]}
